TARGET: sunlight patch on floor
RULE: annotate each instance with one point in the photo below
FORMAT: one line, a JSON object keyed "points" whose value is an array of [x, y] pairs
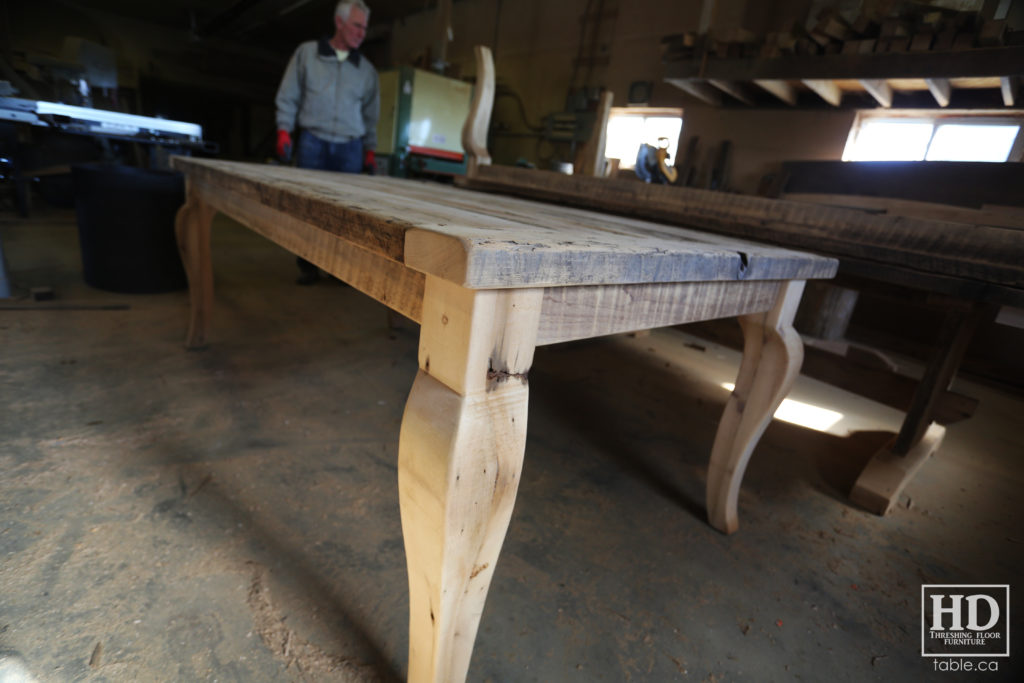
{"points": [[802, 414]]}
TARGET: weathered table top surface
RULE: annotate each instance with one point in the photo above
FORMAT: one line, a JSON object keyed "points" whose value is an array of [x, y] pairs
{"points": [[482, 241]]}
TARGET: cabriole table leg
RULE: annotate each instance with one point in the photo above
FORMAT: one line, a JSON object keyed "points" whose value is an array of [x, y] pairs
{"points": [[772, 354], [459, 461], [192, 229]]}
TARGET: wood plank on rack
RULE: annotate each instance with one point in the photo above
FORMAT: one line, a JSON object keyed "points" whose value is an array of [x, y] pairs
{"points": [[991, 255], [917, 209], [1000, 61]]}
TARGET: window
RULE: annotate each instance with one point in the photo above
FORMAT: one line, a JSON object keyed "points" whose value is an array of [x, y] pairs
{"points": [[933, 136], [630, 127], [972, 142]]}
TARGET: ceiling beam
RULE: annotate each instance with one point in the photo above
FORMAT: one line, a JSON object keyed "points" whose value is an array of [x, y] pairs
{"points": [[941, 90], [292, 7], [879, 89], [1009, 85], [781, 89], [229, 15], [826, 89], [735, 89], [699, 89], [979, 62]]}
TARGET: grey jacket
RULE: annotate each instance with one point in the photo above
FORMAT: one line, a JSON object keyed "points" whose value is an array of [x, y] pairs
{"points": [[335, 101]]}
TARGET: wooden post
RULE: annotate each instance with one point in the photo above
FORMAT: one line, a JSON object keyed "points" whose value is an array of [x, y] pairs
{"points": [[825, 311], [591, 157], [444, 35], [474, 131], [772, 354], [459, 461], [192, 229]]}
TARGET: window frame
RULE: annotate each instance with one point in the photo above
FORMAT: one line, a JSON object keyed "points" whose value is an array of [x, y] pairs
{"points": [[938, 117], [643, 112]]}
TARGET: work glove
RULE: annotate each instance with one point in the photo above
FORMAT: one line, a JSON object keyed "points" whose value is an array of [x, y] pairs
{"points": [[369, 162], [284, 145]]}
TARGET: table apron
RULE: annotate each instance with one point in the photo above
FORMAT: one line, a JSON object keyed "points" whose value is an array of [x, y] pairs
{"points": [[568, 313], [391, 283]]}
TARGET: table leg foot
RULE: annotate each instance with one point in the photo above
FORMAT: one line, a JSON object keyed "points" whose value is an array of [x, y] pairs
{"points": [[772, 354], [192, 229], [880, 483], [460, 456]]}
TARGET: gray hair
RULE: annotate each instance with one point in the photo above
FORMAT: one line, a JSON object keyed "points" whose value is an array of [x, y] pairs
{"points": [[345, 7]]}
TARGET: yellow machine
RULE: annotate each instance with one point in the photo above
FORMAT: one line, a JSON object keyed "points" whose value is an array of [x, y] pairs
{"points": [[421, 118]]}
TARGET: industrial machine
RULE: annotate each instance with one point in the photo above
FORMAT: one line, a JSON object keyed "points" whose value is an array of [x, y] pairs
{"points": [[100, 122], [140, 188], [421, 119]]}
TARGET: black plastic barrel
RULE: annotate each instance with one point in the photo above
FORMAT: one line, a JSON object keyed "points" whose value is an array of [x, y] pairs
{"points": [[126, 227]]}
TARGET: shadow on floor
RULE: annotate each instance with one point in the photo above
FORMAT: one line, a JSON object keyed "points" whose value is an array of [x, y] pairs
{"points": [[656, 421]]}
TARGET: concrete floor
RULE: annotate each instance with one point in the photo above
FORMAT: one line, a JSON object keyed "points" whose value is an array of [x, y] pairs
{"points": [[232, 514]]}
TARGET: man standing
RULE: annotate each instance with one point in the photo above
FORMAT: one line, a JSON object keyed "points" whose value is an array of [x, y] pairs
{"points": [[330, 90]]}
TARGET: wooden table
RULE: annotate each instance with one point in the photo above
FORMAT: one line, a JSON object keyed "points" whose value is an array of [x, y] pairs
{"points": [[490, 278]]}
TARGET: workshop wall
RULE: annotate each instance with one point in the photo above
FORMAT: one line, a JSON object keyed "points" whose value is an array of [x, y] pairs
{"points": [[544, 50], [759, 139], [543, 53]]}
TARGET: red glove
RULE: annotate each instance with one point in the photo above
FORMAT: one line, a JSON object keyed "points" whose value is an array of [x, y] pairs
{"points": [[369, 162], [284, 145]]}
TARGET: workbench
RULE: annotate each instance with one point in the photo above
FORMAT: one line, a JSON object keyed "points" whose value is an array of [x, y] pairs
{"points": [[489, 278]]}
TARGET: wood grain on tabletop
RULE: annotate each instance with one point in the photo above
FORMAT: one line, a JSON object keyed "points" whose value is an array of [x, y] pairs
{"points": [[482, 241]]}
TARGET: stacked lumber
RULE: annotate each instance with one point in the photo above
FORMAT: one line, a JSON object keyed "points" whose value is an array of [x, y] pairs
{"points": [[681, 46], [883, 26]]}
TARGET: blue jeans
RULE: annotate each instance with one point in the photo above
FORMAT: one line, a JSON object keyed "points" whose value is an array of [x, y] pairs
{"points": [[346, 157]]}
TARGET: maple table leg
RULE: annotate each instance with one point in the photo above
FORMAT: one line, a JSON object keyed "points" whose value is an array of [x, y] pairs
{"points": [[192, 229], [459, 462], [772, 354]]}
